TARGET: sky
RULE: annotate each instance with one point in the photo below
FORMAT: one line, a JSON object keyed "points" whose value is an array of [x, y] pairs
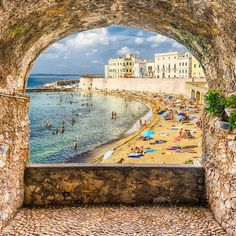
{"points": [[89, 51]]}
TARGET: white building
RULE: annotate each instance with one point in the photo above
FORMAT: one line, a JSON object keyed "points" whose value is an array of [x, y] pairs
{"points": [[140, 68], [184, 65], [150, 69], [173, 65]]}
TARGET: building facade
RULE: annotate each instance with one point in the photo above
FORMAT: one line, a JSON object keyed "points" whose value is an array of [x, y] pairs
{"points": [[139, 69], [168, 65], [197, 70], [150, 69], [173, 65], [121, 67]]}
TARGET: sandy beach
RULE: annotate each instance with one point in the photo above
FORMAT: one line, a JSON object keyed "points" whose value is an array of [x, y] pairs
{"points": [[176, 134]]}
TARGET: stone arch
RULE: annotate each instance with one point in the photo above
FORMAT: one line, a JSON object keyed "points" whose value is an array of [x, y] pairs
{"points": [[206, 28]]}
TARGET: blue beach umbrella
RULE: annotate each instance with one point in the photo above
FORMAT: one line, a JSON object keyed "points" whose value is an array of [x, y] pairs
{"points": [[180, 116], [192, 118], [148, 133]]}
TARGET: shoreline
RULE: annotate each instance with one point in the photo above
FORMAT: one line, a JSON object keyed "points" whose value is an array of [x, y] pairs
{"points": [[94, 155], [189, 151]]}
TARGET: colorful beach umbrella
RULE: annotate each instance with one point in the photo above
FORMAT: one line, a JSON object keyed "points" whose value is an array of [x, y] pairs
{"points": [[148, 133]]}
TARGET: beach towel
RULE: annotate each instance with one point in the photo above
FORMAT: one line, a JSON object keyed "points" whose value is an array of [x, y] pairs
{"points": [[107, 155], [135, 155], [150, 150], [174, 128]]}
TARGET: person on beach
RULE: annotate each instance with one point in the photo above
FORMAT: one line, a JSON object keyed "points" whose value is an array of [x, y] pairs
{"points": [[140, 123], [75, 145], [62, 130]]}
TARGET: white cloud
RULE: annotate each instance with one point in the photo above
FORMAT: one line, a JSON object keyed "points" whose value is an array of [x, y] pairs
{"points": [[177, 45], [97, 62], [58, 47], [138, 40], [156, 40], [124, 50], [51, 55], [91, 52], [140, 33], [89, 38]]}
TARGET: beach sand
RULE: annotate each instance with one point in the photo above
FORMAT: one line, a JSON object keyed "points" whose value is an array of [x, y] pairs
{"points": [[189, 148]]}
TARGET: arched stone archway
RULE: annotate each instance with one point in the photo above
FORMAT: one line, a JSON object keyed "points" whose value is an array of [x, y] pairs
{"points": [[206, 28]]}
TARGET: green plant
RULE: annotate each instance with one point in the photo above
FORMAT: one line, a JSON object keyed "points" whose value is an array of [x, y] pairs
{"points": [[188, 162], [231, 101], [215, 103], [232, 119], [16, 29]]}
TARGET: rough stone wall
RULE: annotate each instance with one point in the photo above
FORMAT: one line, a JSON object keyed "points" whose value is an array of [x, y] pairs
{"points": [[76, 184], [219, 161], [13, 152]]}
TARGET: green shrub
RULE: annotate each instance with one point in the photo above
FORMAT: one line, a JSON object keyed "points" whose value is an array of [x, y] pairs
{"points": [[231, 101], [215, 103], [188, 162], [16, 29], [232, 119]]}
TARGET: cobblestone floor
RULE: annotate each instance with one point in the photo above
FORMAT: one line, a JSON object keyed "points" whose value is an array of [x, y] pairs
{"points": [[113, 220]]}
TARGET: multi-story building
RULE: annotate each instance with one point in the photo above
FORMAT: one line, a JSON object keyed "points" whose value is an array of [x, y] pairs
{"points": [[166, 65], [121, 67], [197, 70], [139, 69], [184, 67], [173, 65], [150, 69]]}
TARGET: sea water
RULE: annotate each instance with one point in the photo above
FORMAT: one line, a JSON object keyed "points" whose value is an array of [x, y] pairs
{"points": [[93, 124]]}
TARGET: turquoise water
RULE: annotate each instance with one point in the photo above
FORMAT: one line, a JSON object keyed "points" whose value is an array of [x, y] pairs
{"points": [[93, 125]]}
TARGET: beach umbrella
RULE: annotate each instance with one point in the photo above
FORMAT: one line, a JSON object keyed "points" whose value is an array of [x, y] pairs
{"points": [[192, 118], [161, 112], [181, 116], [148, 133]]}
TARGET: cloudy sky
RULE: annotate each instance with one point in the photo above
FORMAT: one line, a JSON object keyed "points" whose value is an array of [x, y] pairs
{"points": [[89, 51]]}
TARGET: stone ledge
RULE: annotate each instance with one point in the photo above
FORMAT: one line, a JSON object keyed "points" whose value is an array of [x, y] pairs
{"points": [[70, 184]]}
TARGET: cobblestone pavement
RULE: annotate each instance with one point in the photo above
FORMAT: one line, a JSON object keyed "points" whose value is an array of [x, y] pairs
{"points": [[113, 220]]}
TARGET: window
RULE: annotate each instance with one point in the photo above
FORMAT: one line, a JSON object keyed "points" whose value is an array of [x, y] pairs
{"points": [[163, 67], [127, 70], [179, 71], [186, 63], [195, 65], [180, 64], [163, 58], [199, 66], [186, 71], [127, 63]]}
